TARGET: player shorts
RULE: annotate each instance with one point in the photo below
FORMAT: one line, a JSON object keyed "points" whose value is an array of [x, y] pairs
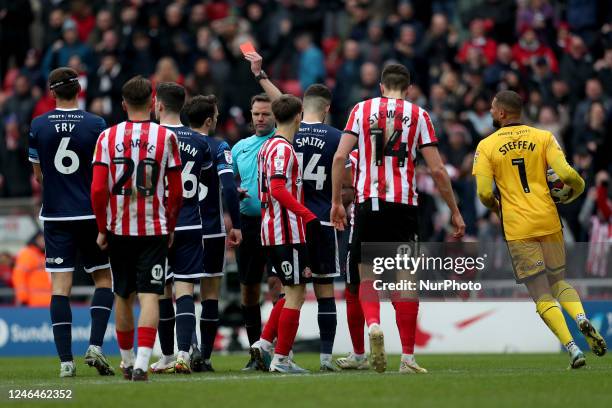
{"points": [[185, 257], [139, 264], [328, 255], [289, 262], [65, 239], [385, 222], [251, 256], [214, 256], [534, 256]]}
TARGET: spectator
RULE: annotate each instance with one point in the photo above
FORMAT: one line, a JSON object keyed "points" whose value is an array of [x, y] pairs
{"points": [[541, 78], [582, 18], [529, 49], [549, 119], [311, 67], [16, 114], [504, 63], [6, 267], [539, 15], [31, 281], [406, 53], [485, 45], [576, 68], [105, 84], [104, 23], [405, 16], [367, 87], [61, 51], [53, 29], [375, 48], [480, 117], [84, 19], [594, 93], [15, 19], [603, 67], [499, 15], [439, 45], [596, 136]]}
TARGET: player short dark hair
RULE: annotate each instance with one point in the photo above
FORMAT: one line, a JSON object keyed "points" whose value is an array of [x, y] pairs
{"points": [[286, 108], [262, 97], [172, 95], [510, 101], [200, 108], [137, 92], [64, 82], [395, 77], [317, 97]]}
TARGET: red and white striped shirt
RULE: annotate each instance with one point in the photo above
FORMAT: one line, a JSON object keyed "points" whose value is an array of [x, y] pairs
{"points": [[279, 225], [386, 168], [353, 160], [138, 154]]}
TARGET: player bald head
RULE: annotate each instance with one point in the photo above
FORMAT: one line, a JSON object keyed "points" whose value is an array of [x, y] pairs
{"points": [[317, 99], [287, 109], [506, 107], [169, 96], [64, 83], [136, 93]]}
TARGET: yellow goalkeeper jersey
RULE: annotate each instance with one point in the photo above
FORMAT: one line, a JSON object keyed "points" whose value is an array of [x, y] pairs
{"points": [[516, 157]]}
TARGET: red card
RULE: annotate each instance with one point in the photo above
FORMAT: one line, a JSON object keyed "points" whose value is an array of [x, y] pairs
{"points": [[247, 47]]}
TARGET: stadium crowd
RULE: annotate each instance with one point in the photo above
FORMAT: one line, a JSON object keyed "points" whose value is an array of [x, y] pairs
{"points": [[557, 55]]}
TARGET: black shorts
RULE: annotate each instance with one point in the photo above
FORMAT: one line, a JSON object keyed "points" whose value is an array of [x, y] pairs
{"points": [[392, 222], [186, 256], [289, 262], [138, 263], [251, 255], [214, 257], [328, 255], [65, 239]]}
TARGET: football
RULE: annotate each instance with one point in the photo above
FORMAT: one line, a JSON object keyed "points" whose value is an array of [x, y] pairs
{"points": [[558, 190]]}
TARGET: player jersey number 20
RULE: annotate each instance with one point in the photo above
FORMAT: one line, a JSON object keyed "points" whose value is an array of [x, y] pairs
{"points": [[147, 175]]}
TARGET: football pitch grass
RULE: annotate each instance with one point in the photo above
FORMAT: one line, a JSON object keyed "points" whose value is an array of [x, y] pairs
{"points": [[471, 381]]}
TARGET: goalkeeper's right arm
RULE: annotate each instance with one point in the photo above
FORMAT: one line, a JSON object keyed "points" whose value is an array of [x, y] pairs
{"points": [[556, 160]]}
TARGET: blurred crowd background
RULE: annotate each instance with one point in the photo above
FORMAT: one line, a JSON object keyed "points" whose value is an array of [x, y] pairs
{"points": [[556, 54]]}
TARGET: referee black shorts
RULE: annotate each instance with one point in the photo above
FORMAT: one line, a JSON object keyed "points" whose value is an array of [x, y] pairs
{"points": [[251, 256], [390, 222]]}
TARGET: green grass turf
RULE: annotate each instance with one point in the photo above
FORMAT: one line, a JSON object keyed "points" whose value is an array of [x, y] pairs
{"points": [[510, 380]]}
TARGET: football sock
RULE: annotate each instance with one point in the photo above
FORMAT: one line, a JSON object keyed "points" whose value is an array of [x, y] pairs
{"points": [[185, 322], [569, 299], [166, 326], [209, 323], [126, 346], [146, 340], [252, 322], [287, 329], [327, 325], [550, 312], [409, 358], [356, 321], [61, 321], [100, 310], [406, 318], [370, 303], [270, 331]]}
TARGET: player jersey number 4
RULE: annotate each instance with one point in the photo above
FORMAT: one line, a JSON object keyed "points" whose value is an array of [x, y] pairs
{"points": [[138, 155], [389, 132]]}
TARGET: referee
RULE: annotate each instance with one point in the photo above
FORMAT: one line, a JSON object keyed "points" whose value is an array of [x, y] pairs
{"points": [[251, 257]]}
